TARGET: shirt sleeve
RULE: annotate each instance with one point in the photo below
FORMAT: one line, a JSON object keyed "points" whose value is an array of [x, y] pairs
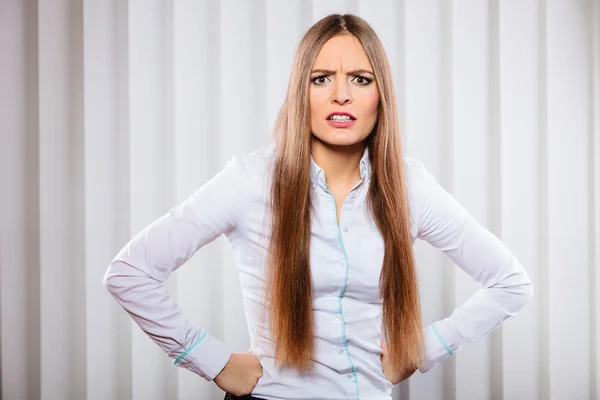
{"points": [[136, 276], [505, 287]]}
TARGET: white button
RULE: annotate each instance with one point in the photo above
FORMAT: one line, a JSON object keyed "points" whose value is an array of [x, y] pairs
{"points": [[342, 264], [345, 229], [341, 351], [349, 376], [337, 321]]}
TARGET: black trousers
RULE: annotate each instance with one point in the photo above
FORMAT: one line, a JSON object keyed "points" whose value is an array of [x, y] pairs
{"points": [[229, 396]]}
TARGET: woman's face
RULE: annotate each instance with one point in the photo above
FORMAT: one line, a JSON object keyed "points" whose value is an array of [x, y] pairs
{"points": [[342, 81]]}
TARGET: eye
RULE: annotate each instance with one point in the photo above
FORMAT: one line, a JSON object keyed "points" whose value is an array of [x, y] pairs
{"points": [[362, 80], [319, 80]]}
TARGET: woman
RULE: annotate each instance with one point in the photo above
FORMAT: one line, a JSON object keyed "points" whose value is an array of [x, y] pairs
{"points": [[322, 224]]}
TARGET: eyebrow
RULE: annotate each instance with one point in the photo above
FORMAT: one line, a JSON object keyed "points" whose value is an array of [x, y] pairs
{"points": [[331, 72]]}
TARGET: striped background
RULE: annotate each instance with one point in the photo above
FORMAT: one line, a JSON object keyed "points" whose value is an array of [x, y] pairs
{"points": [[113, 111]]}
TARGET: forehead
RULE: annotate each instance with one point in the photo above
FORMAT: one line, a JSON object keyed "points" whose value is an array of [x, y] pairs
{"points": [[343, 52]]}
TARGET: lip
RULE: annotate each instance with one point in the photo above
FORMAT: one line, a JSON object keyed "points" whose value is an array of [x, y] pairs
{"points": [[341, 113], [338, 124]]}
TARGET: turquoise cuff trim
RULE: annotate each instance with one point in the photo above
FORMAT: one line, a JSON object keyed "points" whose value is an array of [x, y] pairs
{"points": [[190, 349], [448, 349]]}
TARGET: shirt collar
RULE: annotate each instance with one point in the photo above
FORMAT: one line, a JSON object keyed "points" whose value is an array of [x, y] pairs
{"points": [[317, 175]]}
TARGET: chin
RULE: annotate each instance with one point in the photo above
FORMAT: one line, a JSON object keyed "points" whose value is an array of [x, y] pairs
{"points": [[341, 139]]}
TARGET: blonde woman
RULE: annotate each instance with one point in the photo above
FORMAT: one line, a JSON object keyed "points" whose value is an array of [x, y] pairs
{"points": [[323, 222]]}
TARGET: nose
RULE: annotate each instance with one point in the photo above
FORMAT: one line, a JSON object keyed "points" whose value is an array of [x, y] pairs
{"points": [[341, 93]]}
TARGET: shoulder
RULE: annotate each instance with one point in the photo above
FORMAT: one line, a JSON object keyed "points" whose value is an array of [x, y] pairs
{"points": [[252, 177], [416, 177], [417, 181], [239, 178], [248, 175], [253, 167]]}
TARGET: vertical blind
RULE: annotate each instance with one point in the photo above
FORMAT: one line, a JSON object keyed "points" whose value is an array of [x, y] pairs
{"points": [[111, 112]]}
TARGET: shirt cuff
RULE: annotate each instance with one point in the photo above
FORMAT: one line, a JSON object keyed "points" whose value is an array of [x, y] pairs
{"points": [[206, 357], [438, 346]]}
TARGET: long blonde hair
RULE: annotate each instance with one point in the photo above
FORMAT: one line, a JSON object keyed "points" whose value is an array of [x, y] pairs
{"points": [[289, 280]]}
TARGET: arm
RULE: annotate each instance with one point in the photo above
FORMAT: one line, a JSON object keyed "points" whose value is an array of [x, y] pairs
{"points": [[135, 278], [505, 286]]}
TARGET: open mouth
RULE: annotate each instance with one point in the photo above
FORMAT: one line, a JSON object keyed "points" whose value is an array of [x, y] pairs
{"points": [[341, 117], [343, 122]]}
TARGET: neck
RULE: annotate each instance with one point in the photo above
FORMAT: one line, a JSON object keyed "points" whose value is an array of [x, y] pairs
{"points": [[341, 164]]}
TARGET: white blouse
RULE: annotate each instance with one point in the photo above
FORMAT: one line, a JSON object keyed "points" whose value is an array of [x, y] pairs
{"points": [[345, 262]]}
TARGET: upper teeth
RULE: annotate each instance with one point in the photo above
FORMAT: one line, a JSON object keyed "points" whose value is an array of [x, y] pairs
{"points": [[340, 118]]}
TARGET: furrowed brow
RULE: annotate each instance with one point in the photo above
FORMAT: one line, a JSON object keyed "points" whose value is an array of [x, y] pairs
{"points": [[331, 72]]}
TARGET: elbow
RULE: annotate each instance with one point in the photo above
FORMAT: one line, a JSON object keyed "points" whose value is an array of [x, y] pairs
{"points": [[527, 294], [111, 280], [512, 299], [107, 281], [526, 289], [121, 277], [529, 291], [522, 291], [522, 295]]}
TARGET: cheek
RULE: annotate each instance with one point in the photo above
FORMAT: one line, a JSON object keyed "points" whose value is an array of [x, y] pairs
{"points": [[316, 101], [372, 103]]}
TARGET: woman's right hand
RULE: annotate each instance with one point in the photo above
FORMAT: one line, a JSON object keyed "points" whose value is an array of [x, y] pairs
{"points": [[240, 375]]}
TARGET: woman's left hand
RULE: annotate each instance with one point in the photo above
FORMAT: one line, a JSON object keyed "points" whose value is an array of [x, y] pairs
{"points": [[394, 377]]}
